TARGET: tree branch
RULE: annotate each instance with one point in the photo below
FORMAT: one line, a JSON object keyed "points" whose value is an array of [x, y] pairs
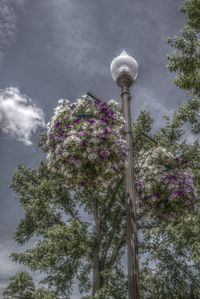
{"points": [[109, 241], [106, 210], [117, 249]]}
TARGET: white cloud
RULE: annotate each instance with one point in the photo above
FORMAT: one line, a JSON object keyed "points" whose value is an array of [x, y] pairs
{"points": [[18, 116]]}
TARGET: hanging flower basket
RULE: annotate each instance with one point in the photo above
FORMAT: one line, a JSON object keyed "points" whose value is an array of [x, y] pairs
{"points": [[165, 185], [86, 143]]}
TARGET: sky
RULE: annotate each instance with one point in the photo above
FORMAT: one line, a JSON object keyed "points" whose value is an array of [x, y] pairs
{"points": [[63, 49]]}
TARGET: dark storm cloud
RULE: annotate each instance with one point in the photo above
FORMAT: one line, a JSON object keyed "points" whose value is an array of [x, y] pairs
{"points": [[57, 49]]}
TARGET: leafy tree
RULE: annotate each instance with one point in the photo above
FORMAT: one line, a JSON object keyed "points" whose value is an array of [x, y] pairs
{"points": [[185, 62], [42, 293], [20, 286], [68, 246], [172, 250]]}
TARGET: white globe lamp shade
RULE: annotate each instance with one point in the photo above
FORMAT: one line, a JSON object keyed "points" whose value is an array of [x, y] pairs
{"points": [[124, 66]]}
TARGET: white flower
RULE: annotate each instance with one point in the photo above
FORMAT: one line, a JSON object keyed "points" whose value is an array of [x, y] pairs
{"points": [[113, 103], [95, 140], [148, 187], [80, 102], [72, 133], [64, 101], [92, 157], [85, 126], [71, 139], [100, 130], [62, 168], [67, 174], [57, 150], [65, 154], [53, 169]]}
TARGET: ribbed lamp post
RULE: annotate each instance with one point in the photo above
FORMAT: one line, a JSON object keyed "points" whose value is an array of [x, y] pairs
{"points": [[124, 71]]}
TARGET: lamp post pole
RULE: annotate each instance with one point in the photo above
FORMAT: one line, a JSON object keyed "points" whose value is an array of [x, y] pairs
{"points": [[124, 71]]}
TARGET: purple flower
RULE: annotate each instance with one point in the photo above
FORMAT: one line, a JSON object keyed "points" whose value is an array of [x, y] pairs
{"points": [[105, 154], [97, 102], [106, 131], [82, 183], [68, 126], [92, 121], [83, 143], [103, 119], [77, 120], [180, 193], [103, 105], [111, 114], [157, 194], [82, 133], [51, 136], [58, 124], [175, 194], [104, 108], [72, 161]]}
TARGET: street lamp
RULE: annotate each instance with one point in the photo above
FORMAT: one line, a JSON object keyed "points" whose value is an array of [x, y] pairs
{"points": [[124, 71]]}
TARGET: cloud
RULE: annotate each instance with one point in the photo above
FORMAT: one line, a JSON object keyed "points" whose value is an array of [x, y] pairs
{"points": [[18, 116]]}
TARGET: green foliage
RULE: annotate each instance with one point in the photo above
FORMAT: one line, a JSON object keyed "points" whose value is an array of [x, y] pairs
{"points": [[34, 188], [41, 293], [192, 8], [168, 249], [166, 271], [50, 213], [115, 285], [20, 286], [141, 130], [185, 60], [65, 246]]}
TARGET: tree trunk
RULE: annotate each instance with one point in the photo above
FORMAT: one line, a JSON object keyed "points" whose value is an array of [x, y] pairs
{"points": [[96, 263]]}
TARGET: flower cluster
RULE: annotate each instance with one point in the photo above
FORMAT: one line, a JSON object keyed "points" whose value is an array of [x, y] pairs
{"points": [[86, 142], [165, 184]]}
